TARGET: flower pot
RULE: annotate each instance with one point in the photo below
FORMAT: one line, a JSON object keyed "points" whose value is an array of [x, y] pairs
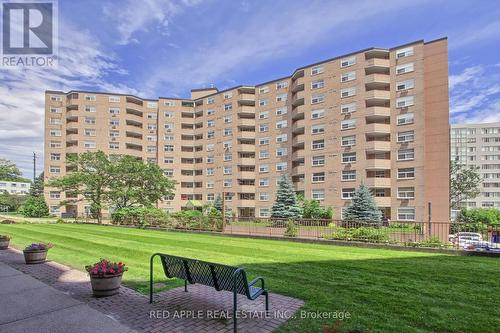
{"points": [[105, 286], [4, 243], [35, 257]]}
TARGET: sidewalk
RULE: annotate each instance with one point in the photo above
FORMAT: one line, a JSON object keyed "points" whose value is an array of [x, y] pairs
{"points": [[67, 304], [29, 305]]}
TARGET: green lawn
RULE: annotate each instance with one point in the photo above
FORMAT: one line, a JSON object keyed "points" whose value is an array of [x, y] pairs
{"points": [[383, 290]]}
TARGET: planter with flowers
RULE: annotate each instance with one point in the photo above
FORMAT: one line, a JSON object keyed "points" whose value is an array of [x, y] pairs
{"points": [[4, 242], [106, 277], [36, 253]]}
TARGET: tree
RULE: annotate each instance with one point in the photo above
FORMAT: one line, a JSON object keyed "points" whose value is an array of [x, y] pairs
{"points": [[90, 180], [218, 203], [312, 210], [286, 205], [363, 207], [465, 182], [135, 183], [9, 171], [35, 206], [11, 201], [37, 186]]}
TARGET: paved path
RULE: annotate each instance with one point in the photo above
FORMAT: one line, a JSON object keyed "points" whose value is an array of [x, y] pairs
{"points": [[29, 305], [202, 309]]}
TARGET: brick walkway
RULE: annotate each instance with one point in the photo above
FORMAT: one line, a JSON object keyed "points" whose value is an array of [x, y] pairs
{"points": [[202, 309]]}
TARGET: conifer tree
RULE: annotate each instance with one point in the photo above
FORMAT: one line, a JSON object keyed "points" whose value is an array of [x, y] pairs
{"points": [[363, 207], [218, 203], [286, 205]]}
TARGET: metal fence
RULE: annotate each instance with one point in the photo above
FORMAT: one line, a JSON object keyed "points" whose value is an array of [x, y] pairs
{"points": [[412, 234]]}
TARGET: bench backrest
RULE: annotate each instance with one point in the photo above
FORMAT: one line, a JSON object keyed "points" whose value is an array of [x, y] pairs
{"points": [[221, 277]]}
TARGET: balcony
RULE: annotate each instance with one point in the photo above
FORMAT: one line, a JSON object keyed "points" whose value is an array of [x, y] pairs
{"points": [[246, 99], [298, 140], [378, 112], [247, 188], [378, 182], [298, 170], [247, 161], [298, 155], [247, 175], [133, 146], [134, 112], [383, 201], [376, 128], [298, 112], [246, 148], [246, 203], [378, 146], [298, 127], [134, 140], [246, 122], [377, 65], [246, 135], [378, 164], [298, 99], [298, 74], [377, 81], [378, 96], [298, 85], [246, 110]]}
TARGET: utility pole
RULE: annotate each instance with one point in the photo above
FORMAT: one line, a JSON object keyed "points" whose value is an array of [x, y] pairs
{"points": [[34, 167], [223, 210]]}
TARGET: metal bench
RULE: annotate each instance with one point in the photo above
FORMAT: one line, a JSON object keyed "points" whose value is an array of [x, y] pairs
{"points": [[220, 277]]}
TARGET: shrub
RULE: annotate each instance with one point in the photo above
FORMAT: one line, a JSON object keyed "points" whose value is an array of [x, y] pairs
{"points": [[476, 220], [35, 206], [312, 210], [292, 230], [60, 220], [4, 237], [141, 216], [432, 241], [363, 234]]}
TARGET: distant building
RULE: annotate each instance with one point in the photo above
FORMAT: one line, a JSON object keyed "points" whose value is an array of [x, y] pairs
{"points": [[479, 145], [19, 188]]}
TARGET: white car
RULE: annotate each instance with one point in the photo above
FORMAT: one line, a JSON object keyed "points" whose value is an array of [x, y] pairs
{"points": [[464, 239]]}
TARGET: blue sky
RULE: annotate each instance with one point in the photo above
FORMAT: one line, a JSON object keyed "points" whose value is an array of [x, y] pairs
{"points": [[164, 48]]}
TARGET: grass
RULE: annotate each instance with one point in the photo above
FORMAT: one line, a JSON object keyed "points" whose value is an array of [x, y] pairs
{"points": [[383, 290]]}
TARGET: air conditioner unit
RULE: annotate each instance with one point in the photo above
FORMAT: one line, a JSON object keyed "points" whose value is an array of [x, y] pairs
{"points": [[113, 139], [113, 127]]}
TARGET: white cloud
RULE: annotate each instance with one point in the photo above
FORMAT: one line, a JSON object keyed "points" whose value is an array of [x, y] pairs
{"points": [[267, 33], [83, 64], [474, 35], [134, 16]]}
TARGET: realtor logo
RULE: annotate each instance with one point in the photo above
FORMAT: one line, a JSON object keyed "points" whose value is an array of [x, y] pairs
{"points": [[29, 31]]}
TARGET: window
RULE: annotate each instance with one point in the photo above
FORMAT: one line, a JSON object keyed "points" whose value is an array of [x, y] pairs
{"points": [[55, 133], [168, 160], [263, 168], [406, 192], [349, 157], [406, 214], [281, 111], [228, 95], [54, 195], [228, 157], [346, 62], [317, 70], [349, 140], [151, 138], [113, 111], [263, 196], [89, 144], [318, 194], [55, 110], [347, 92], [169, 103], [210, 100], [228, 183], [228, 170], [281, 138], [348, 124], [169, 114], [55, 144], [55, 121], [263, 102], [317, 129], [54, 209], [114, 99], [210, 184], [89, 132], [54, 169], [405, 173], [406, 52], [93, 109], [348, 193], [168, 148], [405, 119], [317, 84], [348, 108], [264, 141], [281, 152], [404, 102], [210, 134], [228, 119], [348, 77], [406, 68], [168, 172], [315, 99], [406, 154], [281, 84], [210, 146], [263, 114], [408, 136], [55, 156], [210, 171], [264, 182], [210, 112], [90, 120], [114, 145], [168, 137], [152, 115], [210, 123], [405, 85], [318, 160], [56, 98], [317, 114], [281, 166], [318, 177], [348, 175], [264, 154], [264, 128], [263, 90], [227, 145], [151, 105], [281, 98], [281, 124], [264, 212], [228, 107], [151, 126], [90, 97], [318, 144]]}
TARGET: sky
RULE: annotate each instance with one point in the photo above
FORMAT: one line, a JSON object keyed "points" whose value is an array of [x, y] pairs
{"points": [[154, 48]]}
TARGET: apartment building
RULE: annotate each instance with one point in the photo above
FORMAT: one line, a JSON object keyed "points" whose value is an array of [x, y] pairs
{"points": [[479, 145], [376, 116], [19, 188]]}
